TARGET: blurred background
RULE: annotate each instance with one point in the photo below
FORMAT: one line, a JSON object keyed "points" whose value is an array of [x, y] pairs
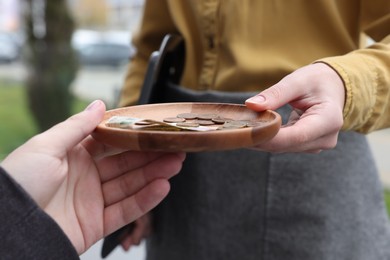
{"points": [[57, 56]]}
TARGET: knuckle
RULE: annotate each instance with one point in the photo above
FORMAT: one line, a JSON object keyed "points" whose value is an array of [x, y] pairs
{"points": [[301, 138], [276, 91], [123, 163], [329, 142]]}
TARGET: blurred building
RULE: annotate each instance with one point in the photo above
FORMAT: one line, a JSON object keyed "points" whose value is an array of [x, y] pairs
{"points": [[124, 14], [119, 14], [10, 15]]}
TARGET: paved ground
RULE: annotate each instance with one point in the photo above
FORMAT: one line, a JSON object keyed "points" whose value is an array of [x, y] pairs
{"points": [[380, 145], [104, 83], [136, 253], [99, 83]]}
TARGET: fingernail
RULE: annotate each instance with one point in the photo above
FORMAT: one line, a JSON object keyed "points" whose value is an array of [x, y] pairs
{"points": [[256, 99], [93, 105]]}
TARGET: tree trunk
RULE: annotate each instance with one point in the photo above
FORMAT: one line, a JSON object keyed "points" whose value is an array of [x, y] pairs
{"points": [[51, 61]]}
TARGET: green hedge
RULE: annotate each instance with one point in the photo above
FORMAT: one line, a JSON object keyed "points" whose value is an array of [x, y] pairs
{"points": [[17, 124]]}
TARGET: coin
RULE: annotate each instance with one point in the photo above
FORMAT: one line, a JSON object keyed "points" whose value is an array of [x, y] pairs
{"points": [[173, 120], [206, 116], [187, 115], [220, 120], [204, 122], [234, 124]]}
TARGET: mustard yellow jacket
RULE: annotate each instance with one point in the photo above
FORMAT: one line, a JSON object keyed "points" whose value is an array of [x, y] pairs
{"points": [[249, 45]]}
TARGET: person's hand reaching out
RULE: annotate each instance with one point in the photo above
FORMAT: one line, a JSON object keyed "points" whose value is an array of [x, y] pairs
{"points": [[317, 94], [90, 189]]}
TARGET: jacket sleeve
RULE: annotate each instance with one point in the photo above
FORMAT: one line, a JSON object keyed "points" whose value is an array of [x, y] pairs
{"points": [[156, 22], [366, 72], [27, 232]]}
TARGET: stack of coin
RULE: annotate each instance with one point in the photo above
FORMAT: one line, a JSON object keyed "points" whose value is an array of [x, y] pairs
{"points": [[182, 122], [194, 120]]}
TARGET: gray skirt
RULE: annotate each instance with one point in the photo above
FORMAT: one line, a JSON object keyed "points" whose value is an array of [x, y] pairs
{"points": [[246, 204]]}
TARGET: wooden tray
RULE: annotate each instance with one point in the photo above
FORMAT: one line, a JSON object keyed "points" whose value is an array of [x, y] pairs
{"points": [[188, 141]]}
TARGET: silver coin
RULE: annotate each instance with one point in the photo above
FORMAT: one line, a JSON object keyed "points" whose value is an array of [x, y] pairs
{"points": [[235, 124], [187, 115], [206, 116], [204, 122]]}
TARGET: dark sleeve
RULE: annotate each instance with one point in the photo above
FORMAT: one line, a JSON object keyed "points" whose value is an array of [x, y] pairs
{"points": [[26, 231]]}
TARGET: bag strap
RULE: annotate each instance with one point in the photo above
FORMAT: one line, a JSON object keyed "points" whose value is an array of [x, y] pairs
{"points": [[165, 65]]}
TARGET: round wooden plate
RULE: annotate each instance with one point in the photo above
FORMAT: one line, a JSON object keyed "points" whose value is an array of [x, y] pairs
{"points": [[188, 141]]}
